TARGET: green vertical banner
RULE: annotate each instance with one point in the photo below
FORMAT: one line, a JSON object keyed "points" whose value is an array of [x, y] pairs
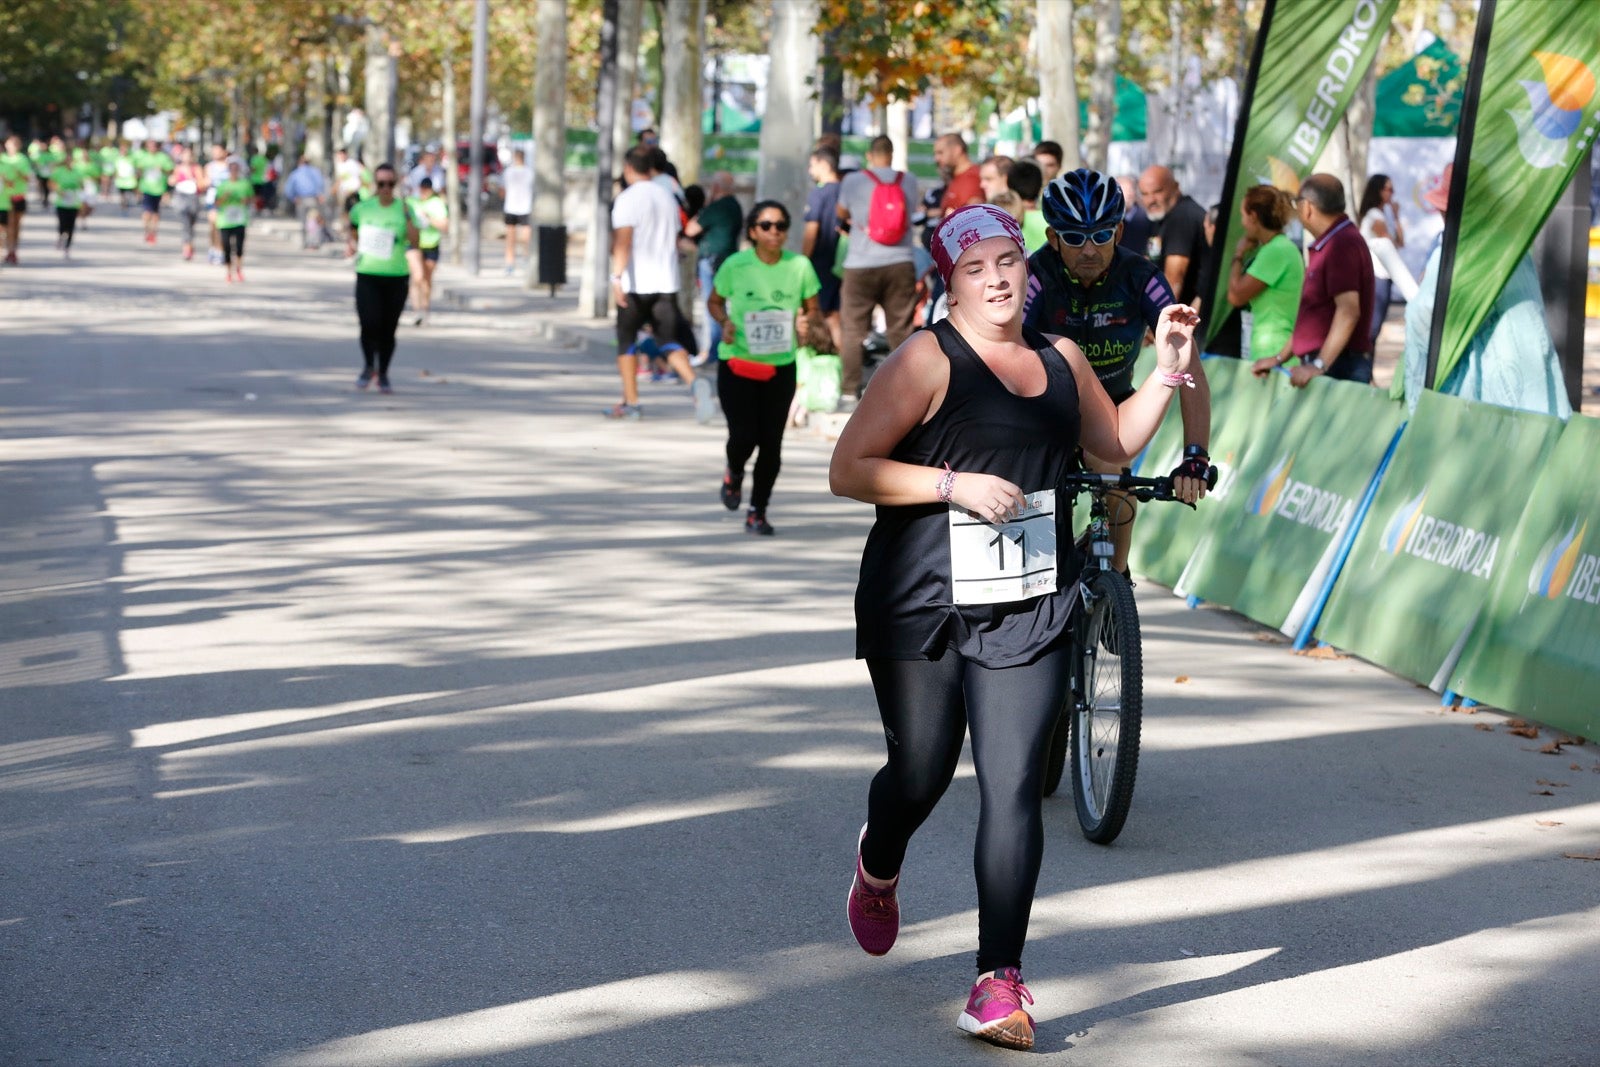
{"points": [[1274, 542], [1537, 652], [1166, 534], [1425, 562], [1309, 60], [1526, 125]]}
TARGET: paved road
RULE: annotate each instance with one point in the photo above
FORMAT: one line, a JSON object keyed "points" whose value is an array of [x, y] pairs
{"points": [[460, 727]]}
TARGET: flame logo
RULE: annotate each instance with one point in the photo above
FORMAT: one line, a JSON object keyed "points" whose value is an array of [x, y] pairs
{"points": [[1405, 518], [1270, 488], [1555, 109], [1556, 562]]}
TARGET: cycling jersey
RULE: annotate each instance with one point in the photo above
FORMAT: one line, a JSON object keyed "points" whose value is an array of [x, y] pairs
{"points": [[1106, 318]]}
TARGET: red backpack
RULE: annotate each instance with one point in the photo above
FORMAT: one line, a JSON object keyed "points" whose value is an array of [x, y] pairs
{"points": [[887, 216]]}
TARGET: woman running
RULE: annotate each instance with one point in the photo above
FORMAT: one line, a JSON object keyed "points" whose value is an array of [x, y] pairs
{"points": [[431, 216], [68, 183], [381, 231], [234, 198], [977, 418], [189, 182], [756, 294]]}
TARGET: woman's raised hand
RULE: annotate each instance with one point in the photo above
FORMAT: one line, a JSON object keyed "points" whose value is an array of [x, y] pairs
{"points": [[1175, 344]]}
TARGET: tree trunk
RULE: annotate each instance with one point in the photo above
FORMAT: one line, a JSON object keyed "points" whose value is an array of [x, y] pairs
{"points": [[452, 173], [787, 127], [1058, 91], [1103, 83], [594, 296], [832, 88], [681, 95], [379, 145], [549, 129], [897, 127], [1345, 154], [630, 23], [475, 161], [316, 94]]}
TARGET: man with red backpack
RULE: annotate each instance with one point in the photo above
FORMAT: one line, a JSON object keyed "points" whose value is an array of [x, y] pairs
{"points": [[875, 205]]}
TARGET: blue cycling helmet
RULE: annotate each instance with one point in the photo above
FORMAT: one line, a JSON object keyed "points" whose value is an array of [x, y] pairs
{"points": [[1083, 200]]}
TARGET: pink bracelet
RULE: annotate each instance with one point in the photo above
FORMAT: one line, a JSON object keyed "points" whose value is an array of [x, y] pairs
{"points": [[1176, 380], [947, 484]]}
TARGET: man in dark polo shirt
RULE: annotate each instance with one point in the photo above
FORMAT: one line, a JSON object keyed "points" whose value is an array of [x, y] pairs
{"points": [[1336, 298]]}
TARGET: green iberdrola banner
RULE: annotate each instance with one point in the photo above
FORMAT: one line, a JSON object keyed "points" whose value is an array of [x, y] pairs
{"points": [[1165, 535], [1310, 59], [1537, 652], [1422, 568], [1271, 547], [1521, 140]]}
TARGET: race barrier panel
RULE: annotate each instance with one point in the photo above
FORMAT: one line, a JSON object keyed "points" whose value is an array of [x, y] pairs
{"points": [[1165, 535], [1271, 548], [1420, 573], [1537, 650]]}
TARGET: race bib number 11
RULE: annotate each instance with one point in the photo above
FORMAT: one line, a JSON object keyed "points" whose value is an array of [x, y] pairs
{"points": [[1002, 563]]}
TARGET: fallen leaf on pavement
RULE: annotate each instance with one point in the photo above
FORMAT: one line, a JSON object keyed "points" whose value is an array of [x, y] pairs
{"points": [[1551, 748], [1181, 679], [1543, 793], [1188, 951], [1271, 639], [1553, 785], [1522, 730], [1575, 767], [1462, 709], [1483, 726], [1582, 856], [1546, 822], [1518, 722], [1571, 740], [1321, 652]]}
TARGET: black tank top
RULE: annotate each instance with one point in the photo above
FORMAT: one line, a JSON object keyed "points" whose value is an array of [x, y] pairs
{"points": [[904, 606]]}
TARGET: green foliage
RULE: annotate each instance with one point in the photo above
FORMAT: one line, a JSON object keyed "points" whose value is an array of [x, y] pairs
{"points": [[57, 55]]}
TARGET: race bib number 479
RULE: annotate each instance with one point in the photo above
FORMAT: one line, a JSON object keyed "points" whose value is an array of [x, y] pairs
{"points": [[768, 333], [1002, 563]]}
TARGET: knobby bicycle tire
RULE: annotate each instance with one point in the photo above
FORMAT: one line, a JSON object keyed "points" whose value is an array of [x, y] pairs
{"points": [[1108, 710]]}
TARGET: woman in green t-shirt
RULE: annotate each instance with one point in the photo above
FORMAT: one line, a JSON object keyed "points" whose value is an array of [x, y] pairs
{"points": [[68, 185], [756, 295], [381, 230], [235, 196], [431, 215], [1266, 272]]}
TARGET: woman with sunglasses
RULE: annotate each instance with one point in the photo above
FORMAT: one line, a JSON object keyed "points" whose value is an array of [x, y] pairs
{"points": [[1084, 286], [381, 231], [968, 429], [756, 294]]}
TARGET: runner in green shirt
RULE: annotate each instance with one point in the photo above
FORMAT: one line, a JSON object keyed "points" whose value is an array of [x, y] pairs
{"points": [[234, 198], [107, 155], [1266, 272], [756, 295], [381, 230], [125, 173], [44, 158], [153, 166], [431, 215], [87, 163], [68, 185], [16, 193]]}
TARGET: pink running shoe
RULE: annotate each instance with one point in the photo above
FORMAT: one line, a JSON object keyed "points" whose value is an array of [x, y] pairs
{"points": [[995, 1013], [874, 913]]}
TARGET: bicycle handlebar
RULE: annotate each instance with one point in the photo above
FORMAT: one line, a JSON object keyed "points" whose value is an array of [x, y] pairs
{"points": [[1138, 488]]}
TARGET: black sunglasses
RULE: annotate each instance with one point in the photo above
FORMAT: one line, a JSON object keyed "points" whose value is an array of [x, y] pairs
{"points": [[384, 185], [768, 224]]}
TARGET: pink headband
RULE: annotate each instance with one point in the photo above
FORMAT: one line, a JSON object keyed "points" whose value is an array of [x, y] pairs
{"points": [[965, 227]]}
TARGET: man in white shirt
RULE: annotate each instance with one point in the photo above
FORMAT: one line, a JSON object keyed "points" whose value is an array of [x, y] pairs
{"points": [[518, 184], [644, 283]]}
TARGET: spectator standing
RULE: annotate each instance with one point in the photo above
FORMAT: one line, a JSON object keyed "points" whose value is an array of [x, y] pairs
{"points": [[992, 176], [1380, 225], [427, 167], [1177, 241], [715, 229], [304, 187], [1047, 155], [1265, 273], [1330, 328], [963, 183], [1136, 224], [820, 241], [757, 294], [644, 282], [878, 269], [517, 182]]}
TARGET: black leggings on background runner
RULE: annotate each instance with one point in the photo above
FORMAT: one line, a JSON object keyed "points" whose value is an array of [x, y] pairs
{"points": [[232, 244], [66, 224], [757, 413], [380, 301], [927, 708]]}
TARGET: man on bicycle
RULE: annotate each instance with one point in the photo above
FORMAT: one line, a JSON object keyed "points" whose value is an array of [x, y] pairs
{"points": [[1083, 286]]}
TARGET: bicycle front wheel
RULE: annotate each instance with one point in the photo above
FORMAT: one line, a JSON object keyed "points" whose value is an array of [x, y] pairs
{"points": [[1109, 703]]}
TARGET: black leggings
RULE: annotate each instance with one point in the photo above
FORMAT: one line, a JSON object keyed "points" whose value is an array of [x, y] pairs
{"points": [[380, 301], [232, 244], [66, 223], [757, 413], [927, 707]]}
